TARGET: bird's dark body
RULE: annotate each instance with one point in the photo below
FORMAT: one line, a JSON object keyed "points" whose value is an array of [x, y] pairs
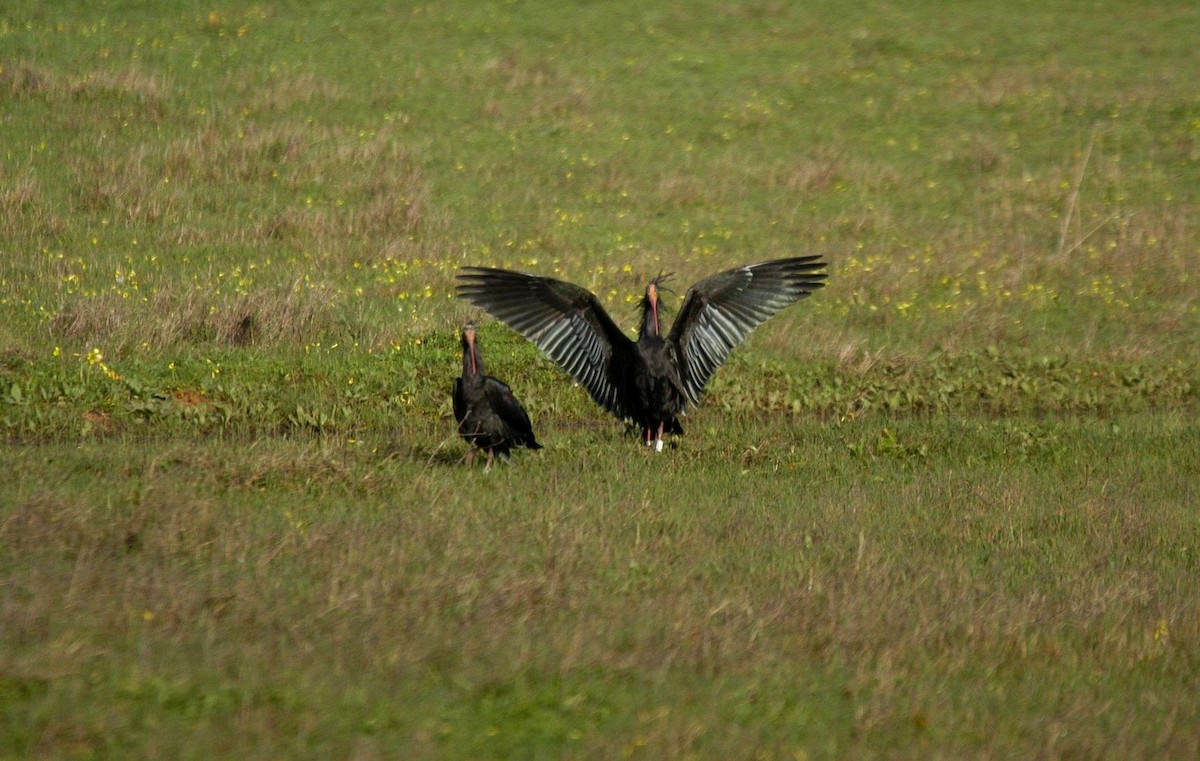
{"points": [[656, 393], [653, 380], [488, 414]]}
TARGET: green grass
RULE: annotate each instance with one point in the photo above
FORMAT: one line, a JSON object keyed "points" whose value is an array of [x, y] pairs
{"points": [[899, 583], [945, 508]]}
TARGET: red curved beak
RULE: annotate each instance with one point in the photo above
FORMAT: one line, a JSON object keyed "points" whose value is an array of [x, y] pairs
{"points": [[469, 334], [652, 293]]}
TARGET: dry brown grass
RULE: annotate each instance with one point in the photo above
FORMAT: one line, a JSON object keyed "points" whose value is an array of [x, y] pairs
{"points": [[25, 214], [26, 80], [289, 315], [535, 88]]}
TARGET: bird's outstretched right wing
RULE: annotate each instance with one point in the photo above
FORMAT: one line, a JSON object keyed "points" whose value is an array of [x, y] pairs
{"points": [[565, 321]]}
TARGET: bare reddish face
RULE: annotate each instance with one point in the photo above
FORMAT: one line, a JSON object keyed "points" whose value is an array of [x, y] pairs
{"points": [[469, 334], [652, 294]]}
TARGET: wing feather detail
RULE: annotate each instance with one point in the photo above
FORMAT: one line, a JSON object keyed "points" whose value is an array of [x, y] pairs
{"points": [[564, 320], [719, 312]]}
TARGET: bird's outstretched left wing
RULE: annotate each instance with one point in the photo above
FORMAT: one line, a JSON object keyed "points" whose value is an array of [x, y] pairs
{"points": [[720, 311]]}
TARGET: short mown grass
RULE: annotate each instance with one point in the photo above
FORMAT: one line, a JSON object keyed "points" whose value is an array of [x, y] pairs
{"points": [[944, 508]]}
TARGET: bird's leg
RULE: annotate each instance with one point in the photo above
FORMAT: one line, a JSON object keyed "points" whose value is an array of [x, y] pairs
{"points": [[658, 444], [648, 432], [470, 456], [488, 466]]}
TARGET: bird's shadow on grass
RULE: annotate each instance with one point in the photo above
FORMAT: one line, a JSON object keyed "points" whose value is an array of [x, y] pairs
{"points": [[451, 452], [445, 453]]}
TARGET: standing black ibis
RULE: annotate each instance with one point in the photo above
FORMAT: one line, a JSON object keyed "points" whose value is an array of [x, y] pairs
{"points": [[653, 380], [489, 416]]}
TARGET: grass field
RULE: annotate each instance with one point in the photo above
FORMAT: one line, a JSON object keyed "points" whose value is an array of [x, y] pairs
{"points": [[948, 507]]}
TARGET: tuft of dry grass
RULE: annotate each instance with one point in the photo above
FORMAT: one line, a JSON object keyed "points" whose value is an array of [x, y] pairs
{"points": [[23, 80], [25, 215]]}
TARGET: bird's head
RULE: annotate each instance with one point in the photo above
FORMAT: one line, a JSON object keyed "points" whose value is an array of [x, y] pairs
{"points": [[471, 361], [652, 303]]}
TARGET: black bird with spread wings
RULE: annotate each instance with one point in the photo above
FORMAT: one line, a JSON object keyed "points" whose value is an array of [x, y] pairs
{"points": [[489, 416], [653, 380]]}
